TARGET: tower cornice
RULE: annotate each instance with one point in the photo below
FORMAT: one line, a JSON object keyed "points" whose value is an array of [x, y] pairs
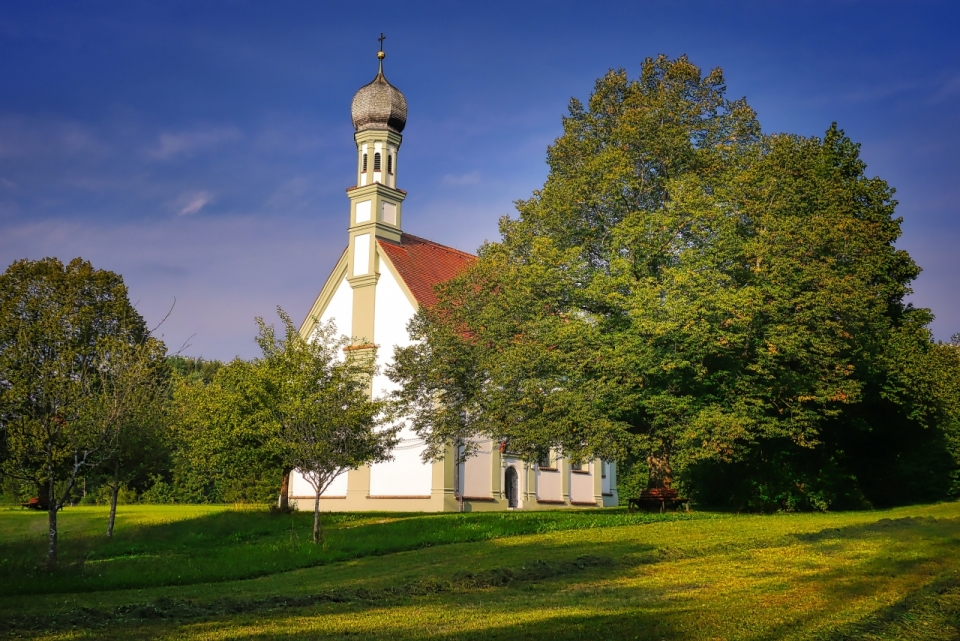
{"points": [[362, 191]]}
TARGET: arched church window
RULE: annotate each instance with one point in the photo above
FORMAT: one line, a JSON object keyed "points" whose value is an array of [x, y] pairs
{"points": [[364, 170], [390, 165], [376, 161]]}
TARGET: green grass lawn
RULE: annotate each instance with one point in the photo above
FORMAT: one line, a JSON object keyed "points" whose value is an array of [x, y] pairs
{"points": [[216, 572]]}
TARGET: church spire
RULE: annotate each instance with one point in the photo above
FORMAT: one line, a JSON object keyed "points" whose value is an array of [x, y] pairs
{"points": [[378, 104], [379, 114]]}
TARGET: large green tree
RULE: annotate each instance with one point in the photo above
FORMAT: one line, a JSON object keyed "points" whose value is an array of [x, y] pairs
{"points": [[688, 288], [63, 329]]}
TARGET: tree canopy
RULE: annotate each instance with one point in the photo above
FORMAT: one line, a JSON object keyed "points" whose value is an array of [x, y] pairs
{"points": [[75, 359], [687, 287]]}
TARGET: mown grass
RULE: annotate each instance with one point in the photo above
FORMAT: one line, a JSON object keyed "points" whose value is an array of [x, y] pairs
{"points": [[165, 545], [863, 575]]}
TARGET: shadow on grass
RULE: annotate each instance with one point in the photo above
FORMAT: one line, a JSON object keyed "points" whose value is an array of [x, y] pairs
{"points": [[182, 610], [922, 547], [905, 546], [232, 545], [938, 602]]}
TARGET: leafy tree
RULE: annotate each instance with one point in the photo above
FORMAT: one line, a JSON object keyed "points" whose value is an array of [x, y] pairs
{"points": [[321, 400], [544, 311], [226, 442], [687, 288], [60, 326]]}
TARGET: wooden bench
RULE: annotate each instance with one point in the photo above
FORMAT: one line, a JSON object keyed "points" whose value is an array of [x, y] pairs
{"points": [[660, 499], [35, 504]]}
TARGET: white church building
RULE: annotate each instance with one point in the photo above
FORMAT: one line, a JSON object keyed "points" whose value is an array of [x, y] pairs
{"points": [[382, 278]]}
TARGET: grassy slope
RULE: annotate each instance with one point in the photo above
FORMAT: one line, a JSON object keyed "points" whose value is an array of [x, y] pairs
{"points": [[850, 575], [164, 545]]}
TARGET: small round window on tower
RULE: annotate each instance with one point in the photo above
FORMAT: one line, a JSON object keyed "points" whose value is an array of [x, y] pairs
{"points": [[376, 161]]}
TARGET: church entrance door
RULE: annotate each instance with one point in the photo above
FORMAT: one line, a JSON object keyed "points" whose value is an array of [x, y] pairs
{"points": [[512, 486]]}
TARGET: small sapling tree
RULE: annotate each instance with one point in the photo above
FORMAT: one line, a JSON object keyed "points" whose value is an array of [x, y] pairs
{"points": [[319, 394], [129, 400]]}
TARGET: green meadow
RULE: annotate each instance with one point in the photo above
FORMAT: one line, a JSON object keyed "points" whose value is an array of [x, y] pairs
{"points": [[222, 572]]}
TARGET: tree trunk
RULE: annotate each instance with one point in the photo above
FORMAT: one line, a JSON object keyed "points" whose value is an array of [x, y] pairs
{"points": [[52, 523], [661, 474], [456, 477], [317, 531], [285, 490], [114, 491]]}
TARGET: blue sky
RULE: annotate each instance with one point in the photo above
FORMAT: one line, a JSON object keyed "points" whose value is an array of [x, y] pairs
{"points": [[202, 150]]}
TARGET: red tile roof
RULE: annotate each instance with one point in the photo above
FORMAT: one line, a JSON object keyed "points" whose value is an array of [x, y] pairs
{"points": [[423, 264]]}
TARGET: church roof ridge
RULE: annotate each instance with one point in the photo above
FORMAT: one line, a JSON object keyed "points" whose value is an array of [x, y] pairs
{"points": [[433, 242]]}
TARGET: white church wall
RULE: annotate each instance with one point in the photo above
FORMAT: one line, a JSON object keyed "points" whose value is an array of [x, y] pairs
{"points": [[338, 487], [581, 487], [361, 254], [407, 474], [549, 485], [299, 487], [477, 472], [392, 313], [605, 481], [340, 309]]}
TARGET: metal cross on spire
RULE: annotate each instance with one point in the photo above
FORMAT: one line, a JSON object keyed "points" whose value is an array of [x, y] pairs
{"points": [[381, 39]]}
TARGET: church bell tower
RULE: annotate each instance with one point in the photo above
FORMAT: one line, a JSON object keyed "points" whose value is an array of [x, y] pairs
{"points": [[379, 114]]}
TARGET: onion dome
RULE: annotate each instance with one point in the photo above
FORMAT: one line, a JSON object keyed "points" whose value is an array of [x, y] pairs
{"points": [[379, 105]]}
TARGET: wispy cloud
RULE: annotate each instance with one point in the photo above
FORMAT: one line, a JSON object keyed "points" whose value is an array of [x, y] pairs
{"points": [[291, 196], [471, 178], [192, 202], [949, 88], [170, 145], [23, 137]]}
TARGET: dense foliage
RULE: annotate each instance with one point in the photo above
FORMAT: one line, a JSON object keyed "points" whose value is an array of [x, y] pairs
{"points": [[80, 377], [729, 304]]}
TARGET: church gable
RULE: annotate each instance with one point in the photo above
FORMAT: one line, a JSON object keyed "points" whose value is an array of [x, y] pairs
{"points": [[335, 301], [423, 264]]}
